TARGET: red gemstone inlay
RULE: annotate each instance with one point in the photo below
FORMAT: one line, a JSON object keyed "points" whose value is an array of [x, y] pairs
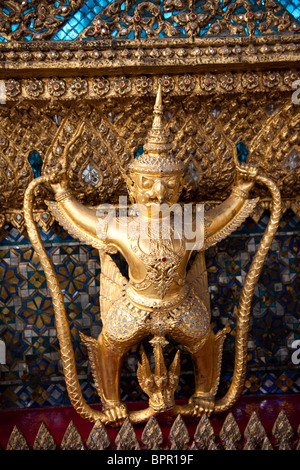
{"points": [[164, 259]]}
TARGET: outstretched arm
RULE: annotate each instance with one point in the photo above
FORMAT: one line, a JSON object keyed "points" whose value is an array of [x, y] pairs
{"points": [[218, 217], [83, 217]]}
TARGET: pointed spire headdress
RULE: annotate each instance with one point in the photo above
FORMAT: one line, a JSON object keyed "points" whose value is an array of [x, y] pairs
{"points": [[156, 157]]}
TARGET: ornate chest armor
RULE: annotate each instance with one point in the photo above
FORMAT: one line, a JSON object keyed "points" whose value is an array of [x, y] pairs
{"points": [[160, 258]]}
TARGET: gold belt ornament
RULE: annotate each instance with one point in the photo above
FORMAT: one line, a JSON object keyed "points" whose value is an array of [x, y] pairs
{"points": [[156, 176], [151, 304]]}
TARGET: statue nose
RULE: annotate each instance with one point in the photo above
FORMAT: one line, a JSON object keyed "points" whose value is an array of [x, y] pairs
{"points": [[159, 190]]}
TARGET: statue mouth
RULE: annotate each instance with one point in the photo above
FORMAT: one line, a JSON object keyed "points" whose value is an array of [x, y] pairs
{"points": [[158, 205]]}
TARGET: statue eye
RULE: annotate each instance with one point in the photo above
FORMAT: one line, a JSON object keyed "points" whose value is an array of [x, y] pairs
{"points": [[147, 183], [171, 184]]}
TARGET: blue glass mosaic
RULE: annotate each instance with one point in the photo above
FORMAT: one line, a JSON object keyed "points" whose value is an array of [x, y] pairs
{"points": [[36, 163], [170, 23], [81, 20], [292, 6], [242, 152]]}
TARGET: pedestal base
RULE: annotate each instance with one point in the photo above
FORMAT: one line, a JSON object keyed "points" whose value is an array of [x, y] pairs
{"points": [[260, 422]]}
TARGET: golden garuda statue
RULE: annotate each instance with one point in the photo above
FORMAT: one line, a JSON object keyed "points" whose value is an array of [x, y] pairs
{"points": [[162, 297]]}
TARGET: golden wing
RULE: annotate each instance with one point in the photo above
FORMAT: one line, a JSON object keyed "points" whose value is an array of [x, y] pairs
{"points": [[112, 282], [197, 274], [197, 278], [245, 211]]}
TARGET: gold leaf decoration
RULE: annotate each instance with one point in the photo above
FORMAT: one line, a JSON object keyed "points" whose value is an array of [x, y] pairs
{"points": [[98, 438], [72, 439], [17, 440], [152, 435], [230, 433], [179, 435], [126, 438], [44, 439], [204, 435]]}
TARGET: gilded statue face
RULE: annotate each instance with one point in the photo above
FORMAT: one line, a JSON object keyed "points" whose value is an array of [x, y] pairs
{"points": [[156, 189]]}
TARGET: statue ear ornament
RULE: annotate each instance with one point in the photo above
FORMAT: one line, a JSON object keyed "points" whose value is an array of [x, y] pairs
{"points": [[163, 316]]}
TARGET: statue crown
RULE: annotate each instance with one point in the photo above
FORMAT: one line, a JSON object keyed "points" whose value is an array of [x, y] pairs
{"points": [[157, 158]]}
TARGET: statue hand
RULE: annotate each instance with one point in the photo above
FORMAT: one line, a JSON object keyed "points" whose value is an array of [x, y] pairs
{"points": [[56, 175], [245, 176], [58, 181]]}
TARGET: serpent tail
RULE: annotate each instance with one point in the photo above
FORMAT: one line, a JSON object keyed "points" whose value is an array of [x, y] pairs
{"points": [[243, 317]]}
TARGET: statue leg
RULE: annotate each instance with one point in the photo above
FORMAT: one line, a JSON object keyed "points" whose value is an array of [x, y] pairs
{"points": [[195, 333], [110, 356], [110, 363], [205, 369], [206, 354]]}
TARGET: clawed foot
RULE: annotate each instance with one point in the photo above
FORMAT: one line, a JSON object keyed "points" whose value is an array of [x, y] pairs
{"points": [[115, 412], [202, 404]]}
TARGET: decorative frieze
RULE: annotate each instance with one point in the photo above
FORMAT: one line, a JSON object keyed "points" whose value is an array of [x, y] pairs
{"points": [[98, 87], [116, 56], [176, 436]]}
